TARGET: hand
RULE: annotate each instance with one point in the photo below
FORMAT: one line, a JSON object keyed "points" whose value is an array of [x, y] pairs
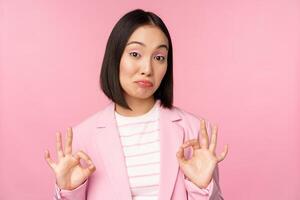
{"points": [[68, 170], [200, 167]]}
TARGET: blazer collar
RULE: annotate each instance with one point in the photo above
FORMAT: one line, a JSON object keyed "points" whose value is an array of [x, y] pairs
{"points": [[171, 137]]}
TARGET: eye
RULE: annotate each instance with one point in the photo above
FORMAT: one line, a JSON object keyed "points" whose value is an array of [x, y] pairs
{"points": [[160, 58], [134, 54]]}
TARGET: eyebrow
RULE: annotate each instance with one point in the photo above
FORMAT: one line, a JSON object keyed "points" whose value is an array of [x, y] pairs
{"points": [[140, 43]]}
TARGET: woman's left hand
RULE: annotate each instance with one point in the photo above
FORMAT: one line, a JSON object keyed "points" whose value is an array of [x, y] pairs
{"points": [[200, 167]]}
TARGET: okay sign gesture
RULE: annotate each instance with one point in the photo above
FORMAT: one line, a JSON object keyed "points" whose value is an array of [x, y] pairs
{"points": [[68, 170], [200, 167]]}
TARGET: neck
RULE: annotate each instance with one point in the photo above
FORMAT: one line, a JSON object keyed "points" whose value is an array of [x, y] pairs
{"points": [[138, 106]]}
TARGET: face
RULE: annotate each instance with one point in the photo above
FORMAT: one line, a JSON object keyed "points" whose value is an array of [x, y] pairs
{"points": [[144, 62]]}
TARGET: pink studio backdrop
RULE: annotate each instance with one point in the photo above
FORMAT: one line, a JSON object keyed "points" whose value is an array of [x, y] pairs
{"points": [[236, 63]]}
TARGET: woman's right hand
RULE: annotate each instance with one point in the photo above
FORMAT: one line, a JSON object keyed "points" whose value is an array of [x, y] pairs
{"points": [[68, 171]]}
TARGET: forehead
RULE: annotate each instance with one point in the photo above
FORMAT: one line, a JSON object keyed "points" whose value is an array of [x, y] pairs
{"points": [[150, 35]]}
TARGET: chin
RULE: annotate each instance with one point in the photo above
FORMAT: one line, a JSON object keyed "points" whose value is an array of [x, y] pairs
{"points": [[144, 97]]}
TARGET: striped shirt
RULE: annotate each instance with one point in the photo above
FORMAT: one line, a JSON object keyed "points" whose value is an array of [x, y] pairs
{"points": [[140, 141]]}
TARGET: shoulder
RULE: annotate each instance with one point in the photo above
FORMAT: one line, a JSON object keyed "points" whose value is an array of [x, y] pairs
{"points": [[190, 121], [92, 121], [189, 116], [87, 127]]}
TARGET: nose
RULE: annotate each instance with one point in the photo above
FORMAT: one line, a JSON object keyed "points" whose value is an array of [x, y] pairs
{"points": [[146, 68]]}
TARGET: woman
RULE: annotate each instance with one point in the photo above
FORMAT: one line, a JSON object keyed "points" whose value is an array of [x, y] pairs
{"points": [[142, 146]]}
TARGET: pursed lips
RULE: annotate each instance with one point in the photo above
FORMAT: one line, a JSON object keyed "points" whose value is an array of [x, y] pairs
{"points": [[144, 83]]}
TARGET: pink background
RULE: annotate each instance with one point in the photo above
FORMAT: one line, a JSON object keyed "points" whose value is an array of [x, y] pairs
{"points": [[236, 63]]}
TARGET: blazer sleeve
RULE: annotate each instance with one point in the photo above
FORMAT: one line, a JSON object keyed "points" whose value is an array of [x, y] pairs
{"points": [[213, 190], [78, 193]]}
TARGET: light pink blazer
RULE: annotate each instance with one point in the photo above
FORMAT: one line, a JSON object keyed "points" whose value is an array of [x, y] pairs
{"points": [[99, 138]]}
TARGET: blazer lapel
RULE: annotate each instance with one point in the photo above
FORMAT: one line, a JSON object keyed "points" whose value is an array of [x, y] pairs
{"points": [[111, 149], [171, 137]]}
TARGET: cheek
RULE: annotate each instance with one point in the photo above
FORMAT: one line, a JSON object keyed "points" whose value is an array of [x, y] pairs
{"points": [[162, 72], [127, 69]]}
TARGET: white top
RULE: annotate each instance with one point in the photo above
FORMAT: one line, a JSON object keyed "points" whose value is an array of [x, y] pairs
{"points": [[140, 140]]}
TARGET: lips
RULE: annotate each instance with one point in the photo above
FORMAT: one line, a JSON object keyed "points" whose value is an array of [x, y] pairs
{"points": [[144, 83]]}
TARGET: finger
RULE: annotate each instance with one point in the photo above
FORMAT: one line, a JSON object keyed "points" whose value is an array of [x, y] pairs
{"points": [[180, 155], [91, 167], [194, 143], [204, 137], [81, 155], [68, 145], [223, 154], [89, 170], [59, 150], [48, 159], [213, 139]]}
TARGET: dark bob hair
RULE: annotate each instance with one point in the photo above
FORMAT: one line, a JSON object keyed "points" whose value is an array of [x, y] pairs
{"points": [[109, 77]]}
